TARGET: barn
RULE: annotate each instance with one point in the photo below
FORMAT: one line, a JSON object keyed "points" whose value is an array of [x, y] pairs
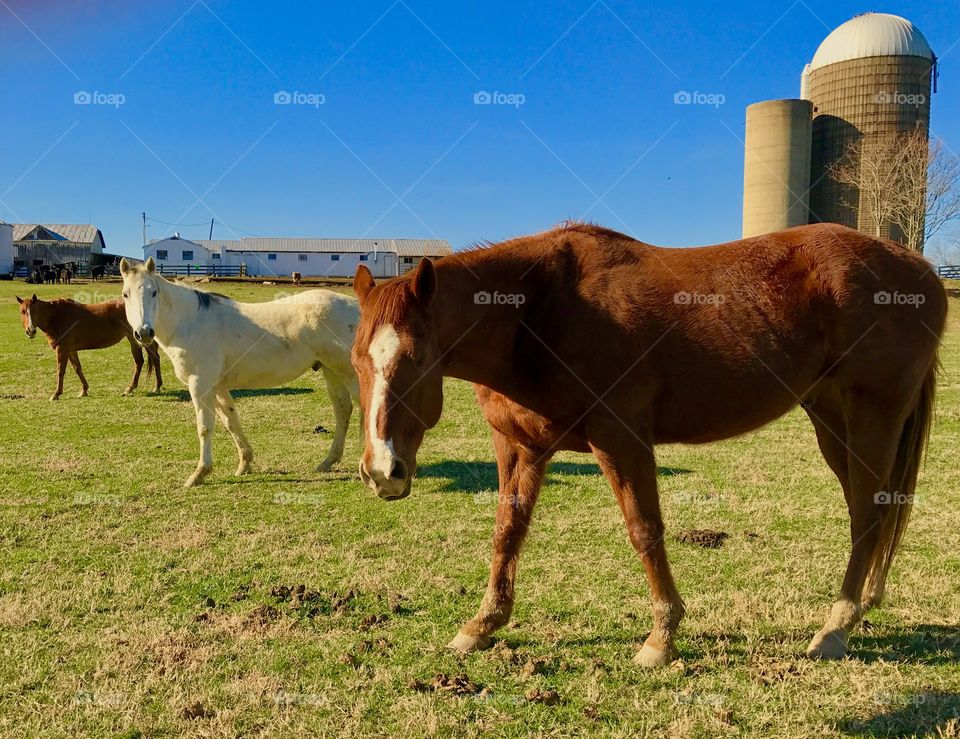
{"points": [[57, 243], [279, 257]]}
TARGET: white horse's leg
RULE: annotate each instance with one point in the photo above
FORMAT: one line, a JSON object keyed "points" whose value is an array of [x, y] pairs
{"points": [[227, 411], [342, 407], [204, 403]]}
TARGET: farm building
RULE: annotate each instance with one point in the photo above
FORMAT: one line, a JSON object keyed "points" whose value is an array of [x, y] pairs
{"points": [[280, 257], [6, 249], [57, 243]]}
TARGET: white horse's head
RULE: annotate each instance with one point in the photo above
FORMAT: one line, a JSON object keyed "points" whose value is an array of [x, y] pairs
{"points": [[140, 289]]}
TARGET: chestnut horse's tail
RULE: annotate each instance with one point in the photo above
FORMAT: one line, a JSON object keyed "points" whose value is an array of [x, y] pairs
{"points": [[901, 487]]}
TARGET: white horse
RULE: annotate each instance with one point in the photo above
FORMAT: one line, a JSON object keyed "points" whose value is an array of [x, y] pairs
{"points": [[217, 344]]}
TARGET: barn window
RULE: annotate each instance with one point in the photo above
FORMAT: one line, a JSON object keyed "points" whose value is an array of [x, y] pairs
{"points": [[408, 260], [188, 255], [161, 254], [334, 257], [363, 257], [271, 257], [215, 256], [301, 257]]}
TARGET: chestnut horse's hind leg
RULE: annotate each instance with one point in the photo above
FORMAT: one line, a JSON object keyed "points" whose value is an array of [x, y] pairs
{"points": [[342, 408], [137, 353], [75, 361], [873, 436], [521, 472], [231, 420], [631, 469], [153, 361]]}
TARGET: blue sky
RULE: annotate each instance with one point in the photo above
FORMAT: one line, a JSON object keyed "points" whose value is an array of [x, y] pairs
{"points": [[385, 138]]}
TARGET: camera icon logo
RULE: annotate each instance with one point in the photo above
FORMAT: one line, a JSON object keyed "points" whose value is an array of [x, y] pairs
{"points": [[482, 98], [683, 298], [882, 298], [282, 97], [682, 97], [482, 298], [82, 97]]}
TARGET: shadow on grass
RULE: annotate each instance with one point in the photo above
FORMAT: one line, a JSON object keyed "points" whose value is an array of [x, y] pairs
{"points": [[477, 477], [926, 644], [924, 713], [184, 395]]}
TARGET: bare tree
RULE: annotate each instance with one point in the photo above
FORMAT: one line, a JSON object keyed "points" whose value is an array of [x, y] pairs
{"points": [[927, 196], [869, 169], [904, 183]]}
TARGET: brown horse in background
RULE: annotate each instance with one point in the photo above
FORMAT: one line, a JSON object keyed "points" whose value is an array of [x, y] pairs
{"points": [[72, 327], [584, 339]]}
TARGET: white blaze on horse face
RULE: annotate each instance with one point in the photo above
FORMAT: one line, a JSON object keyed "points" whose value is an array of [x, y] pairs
{"points": [[31, 329], [140, 302], [383, 352]]}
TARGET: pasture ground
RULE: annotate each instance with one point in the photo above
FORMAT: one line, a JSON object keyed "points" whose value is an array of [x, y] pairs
{"points": [[130, 607]]}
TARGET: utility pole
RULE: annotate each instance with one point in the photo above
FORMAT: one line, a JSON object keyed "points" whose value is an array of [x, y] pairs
{"points": [[211, 229], [143, 216]]}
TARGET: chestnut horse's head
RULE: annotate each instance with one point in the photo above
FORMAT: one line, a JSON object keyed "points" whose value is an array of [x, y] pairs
{"points": [[26, 315], [140, 298], [401, 385]]}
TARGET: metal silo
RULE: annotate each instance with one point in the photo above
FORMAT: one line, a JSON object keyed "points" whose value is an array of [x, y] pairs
{"points": [[871, 77], [776, 166]]}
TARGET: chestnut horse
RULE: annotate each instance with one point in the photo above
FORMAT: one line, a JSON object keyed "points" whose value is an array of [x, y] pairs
{"points": [[73, 327], [584, 339]]}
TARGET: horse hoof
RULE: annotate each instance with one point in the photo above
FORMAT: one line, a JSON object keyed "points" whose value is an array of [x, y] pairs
{"points": [[325, 466], [831, 645], [650, 656], [243, 469], [54, 397], [83, 394], [465, 643]]}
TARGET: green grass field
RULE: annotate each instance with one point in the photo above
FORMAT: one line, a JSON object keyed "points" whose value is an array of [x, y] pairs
{"points": [[132, 607]]}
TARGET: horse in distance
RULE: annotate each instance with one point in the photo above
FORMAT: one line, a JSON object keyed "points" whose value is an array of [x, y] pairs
{"points": [[583, 339], [73, 327], [217, 344]]}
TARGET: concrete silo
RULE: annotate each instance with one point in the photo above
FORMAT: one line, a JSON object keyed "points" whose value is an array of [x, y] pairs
{"points": [[870, 78], [6, 249], [776, 166]]}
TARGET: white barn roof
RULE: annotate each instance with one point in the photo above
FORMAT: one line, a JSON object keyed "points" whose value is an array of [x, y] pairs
{"points": [[872, 34]]}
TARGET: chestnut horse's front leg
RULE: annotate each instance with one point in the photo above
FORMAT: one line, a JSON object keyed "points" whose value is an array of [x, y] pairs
{"points": [[62, 358], [521, 470], [628, 462], [137, 353]]}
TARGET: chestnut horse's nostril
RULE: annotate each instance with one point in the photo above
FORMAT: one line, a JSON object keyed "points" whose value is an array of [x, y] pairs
{"points": [[398, 471]]}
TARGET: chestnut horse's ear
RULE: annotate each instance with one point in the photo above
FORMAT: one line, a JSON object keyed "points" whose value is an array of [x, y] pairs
{"points": [[150, 265], [125, 266], [425, 281], [19, 299], [363, 282], [35, 298]]}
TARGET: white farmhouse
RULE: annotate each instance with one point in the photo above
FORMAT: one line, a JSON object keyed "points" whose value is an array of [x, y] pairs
{"points": [[280, 257]]}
